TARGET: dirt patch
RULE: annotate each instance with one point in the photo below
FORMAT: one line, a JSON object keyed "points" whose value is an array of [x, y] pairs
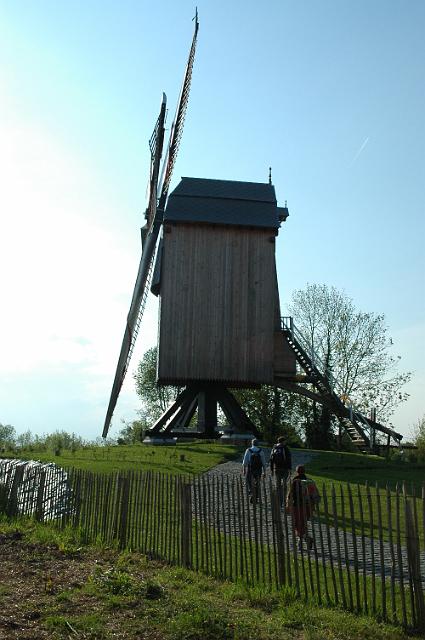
{"points": [[30, 575], [35, 580]]}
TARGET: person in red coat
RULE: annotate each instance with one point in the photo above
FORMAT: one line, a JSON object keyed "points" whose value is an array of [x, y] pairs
{"points": [[301, 501]]}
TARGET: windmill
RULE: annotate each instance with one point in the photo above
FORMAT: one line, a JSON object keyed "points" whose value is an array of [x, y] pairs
{"points": [[220, 325]]}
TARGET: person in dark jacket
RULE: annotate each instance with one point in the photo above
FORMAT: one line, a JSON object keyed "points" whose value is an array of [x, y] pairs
{"points": [[280, 466]]}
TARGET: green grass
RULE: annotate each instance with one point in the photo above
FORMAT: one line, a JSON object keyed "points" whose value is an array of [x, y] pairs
{"points": [[356, 468], [184, 458], [251, 563], [329, 468], [197, 457], [91, 625], [339, 469], [314, 583], [127, 596], [193, 609]]}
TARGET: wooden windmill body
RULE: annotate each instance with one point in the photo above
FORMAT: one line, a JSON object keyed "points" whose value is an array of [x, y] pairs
{"points": [[216, 277], [215, 274]]}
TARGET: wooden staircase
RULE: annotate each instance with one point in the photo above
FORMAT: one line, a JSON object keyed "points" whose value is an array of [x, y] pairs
{"points": [[356, 425]]}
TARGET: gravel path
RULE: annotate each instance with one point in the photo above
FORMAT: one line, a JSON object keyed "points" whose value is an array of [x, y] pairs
{"points": [[365, 554], [233, 468]]}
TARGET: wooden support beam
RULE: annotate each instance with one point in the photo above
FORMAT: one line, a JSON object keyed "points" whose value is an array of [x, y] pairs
{"points": [[188, 413], [183, 396], [234, 412], [295, 388], [183, 416], [207, 412], [205, 398]]}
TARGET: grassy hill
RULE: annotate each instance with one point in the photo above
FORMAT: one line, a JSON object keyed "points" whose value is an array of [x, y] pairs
{"points": [[356, 468], [185, 457], [197, 457]]}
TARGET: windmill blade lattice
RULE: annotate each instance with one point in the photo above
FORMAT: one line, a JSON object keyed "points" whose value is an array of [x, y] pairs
{"points": [[144, 273], [154, 217], [178, 123], [155, 145]]}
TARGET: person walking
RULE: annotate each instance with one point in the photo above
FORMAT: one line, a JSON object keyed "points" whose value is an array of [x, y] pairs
{"points": [[280, 466], [253, 467], [301, 501]]}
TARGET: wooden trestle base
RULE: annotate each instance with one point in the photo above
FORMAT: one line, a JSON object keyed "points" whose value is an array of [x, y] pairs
{"points": [[203, 398]]}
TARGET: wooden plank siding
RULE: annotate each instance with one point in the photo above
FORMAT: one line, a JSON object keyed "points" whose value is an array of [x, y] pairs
{"points": [[284, 360], [285, 363], [217, 304]]}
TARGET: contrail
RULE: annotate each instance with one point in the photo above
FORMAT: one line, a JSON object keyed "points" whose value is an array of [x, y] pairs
{"points": [[365, 141]]}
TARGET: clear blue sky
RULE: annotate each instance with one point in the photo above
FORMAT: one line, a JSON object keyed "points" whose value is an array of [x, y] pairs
{"points": [[330, 94]]}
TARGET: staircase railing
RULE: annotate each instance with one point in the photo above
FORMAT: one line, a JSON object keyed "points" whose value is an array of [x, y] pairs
{"points": [[287, 323]]}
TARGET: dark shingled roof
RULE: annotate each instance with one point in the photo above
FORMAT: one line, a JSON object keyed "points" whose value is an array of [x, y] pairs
{"points": [[250, 204]]}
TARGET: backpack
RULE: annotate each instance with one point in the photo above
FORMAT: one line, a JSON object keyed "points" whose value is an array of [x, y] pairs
{"points": [[255, 462], [312, 492], [278, 458], [306, 492]]}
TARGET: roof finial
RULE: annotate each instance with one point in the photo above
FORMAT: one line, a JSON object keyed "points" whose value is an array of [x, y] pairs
{"points": [[270, 175]]}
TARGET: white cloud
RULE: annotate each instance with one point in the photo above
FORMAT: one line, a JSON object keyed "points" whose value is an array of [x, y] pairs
{"points": [[359, 151]]}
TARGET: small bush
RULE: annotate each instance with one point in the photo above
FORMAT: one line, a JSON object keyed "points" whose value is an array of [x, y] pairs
{"points": [[116, 582], [119, 582]]}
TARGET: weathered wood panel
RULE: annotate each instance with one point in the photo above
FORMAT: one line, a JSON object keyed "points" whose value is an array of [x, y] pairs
{"points": [[217, 308], [285, 362]]}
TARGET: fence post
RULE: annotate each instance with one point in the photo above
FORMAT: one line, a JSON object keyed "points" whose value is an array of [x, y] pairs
{"points": [[12, 504], [413, 556], [125, 492], [277, 525], [3, 497], [39, 509], [186, 524]]}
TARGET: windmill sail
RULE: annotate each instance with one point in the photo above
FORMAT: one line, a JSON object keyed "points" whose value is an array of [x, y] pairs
{"points": [[145, 268], [177, 126], [154, 215]]}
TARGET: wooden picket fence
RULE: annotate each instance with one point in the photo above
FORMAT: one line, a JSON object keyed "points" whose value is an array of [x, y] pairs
{"points": [[368, 552]]}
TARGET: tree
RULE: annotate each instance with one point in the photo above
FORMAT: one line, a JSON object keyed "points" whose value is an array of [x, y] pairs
{"points": [[354, 349], [155, 398], [25, 440], [419, 437], [7, 436], [59, 439], [132, 432], [273, 411]]}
